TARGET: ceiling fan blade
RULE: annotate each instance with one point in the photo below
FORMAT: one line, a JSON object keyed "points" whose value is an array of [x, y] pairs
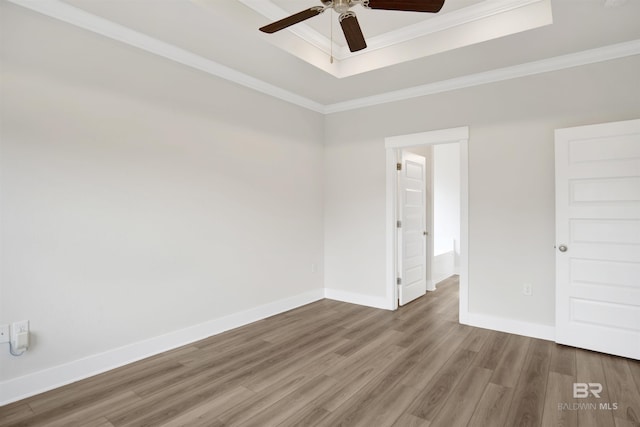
{"points": [[293, 19], [352, 31], [432, 6]]}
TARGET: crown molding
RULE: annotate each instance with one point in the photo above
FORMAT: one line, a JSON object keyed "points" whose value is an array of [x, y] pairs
{"points": [[556, 63], [443, 22], [480, 22], [273, 12], [436, 23], [88, 21], [74, 16]]}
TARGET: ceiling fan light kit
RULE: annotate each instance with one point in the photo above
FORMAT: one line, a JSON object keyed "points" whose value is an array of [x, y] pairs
{"points": [[347, 18]]}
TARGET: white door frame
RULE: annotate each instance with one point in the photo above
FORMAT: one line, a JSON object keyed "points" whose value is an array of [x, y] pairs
{"points": [[393, 146]]}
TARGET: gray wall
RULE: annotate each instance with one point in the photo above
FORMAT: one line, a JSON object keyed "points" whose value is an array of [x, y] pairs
{"points": [[511, 179], [140, 197]]}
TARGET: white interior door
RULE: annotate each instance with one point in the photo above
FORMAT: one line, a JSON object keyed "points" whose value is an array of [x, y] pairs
{"points": [[598, 237], [412, 254]]}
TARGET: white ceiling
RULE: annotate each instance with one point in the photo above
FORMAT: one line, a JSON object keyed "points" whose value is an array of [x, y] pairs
{"points": [[394, 37], [222, 37], [374, 23]]}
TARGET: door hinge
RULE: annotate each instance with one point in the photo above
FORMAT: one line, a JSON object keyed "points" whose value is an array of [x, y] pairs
{"points": [[399, 281], [399, 224], [399, 166]]}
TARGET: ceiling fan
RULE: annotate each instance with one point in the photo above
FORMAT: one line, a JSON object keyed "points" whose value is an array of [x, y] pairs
{"points": [[347, 18]]}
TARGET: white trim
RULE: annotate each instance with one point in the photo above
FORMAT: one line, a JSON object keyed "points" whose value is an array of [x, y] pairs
{"points": [[446, 21], [392, 250], [355, 298], [78, 17], [273, 12], [28, 385], [442, 266], [562, 62], [492, 21], [463, 265], [393, 144], [436, 23], [511, 326], [75, 16], [441, 136], [442, 22]]}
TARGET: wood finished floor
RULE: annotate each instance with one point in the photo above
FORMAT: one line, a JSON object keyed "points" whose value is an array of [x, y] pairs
{"points": [[337, 364]]}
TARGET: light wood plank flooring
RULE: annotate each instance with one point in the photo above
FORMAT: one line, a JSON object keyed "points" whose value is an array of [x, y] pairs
{"points": [[337, 364]]}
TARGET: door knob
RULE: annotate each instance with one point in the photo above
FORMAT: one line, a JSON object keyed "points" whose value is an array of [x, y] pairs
{"points": [[424, 233], [562, 248]]}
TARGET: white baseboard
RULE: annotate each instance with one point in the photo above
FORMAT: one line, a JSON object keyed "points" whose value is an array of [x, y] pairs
{"points": [[442, 266], [360, 299], [31, 384], [518, 327]]}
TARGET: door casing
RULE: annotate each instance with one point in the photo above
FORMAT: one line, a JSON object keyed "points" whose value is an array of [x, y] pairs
{"points": [[393, 146]]}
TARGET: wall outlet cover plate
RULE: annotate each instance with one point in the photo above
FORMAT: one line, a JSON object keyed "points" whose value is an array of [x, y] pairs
{"points": [[4, 333]]}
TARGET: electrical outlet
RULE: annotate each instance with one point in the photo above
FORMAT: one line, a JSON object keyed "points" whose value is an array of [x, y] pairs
{"points": [[314, 268], [20, 327], [4, 333], [20, 335], [527, 289]]}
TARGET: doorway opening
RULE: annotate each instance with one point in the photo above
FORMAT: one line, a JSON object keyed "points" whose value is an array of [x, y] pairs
{"points": [[454, 250]]}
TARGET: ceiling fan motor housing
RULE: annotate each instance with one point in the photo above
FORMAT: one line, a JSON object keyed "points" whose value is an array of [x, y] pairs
{"points": [[340, 6]]}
